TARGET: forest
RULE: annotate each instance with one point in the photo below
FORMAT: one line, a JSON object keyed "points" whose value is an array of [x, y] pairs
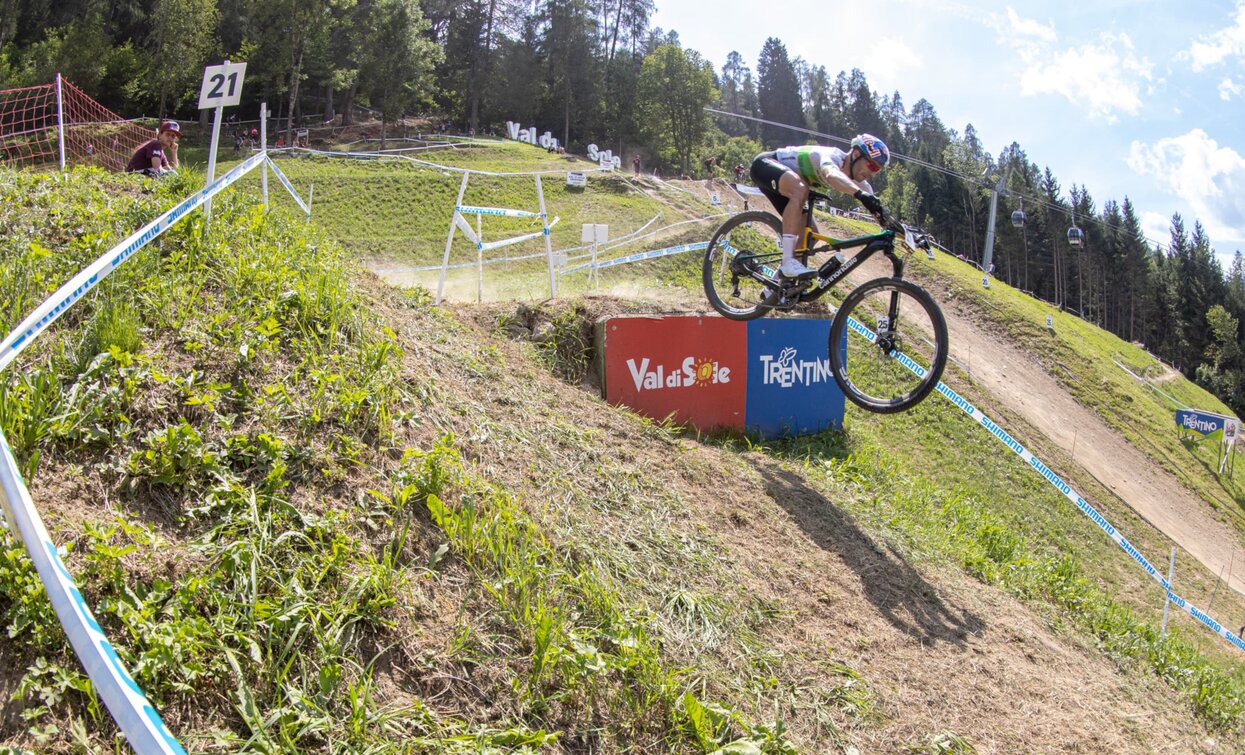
{"points": [[597, 71]]}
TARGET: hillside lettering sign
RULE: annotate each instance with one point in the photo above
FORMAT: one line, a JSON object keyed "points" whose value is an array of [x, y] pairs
{"points": [[605, 158]]}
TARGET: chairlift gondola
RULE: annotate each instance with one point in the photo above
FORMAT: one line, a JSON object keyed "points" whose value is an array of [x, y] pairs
{"points": [[1018, 217], [1076, 237]]}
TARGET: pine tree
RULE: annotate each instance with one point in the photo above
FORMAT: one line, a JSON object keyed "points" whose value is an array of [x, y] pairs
{"points": [[778, 94]]}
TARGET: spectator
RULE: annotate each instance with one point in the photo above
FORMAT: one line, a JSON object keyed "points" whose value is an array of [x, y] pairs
{"points": [[158, 155], [635, 164], [739, 172]]}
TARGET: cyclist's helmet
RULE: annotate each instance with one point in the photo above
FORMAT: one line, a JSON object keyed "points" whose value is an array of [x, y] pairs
{"points": [[873, 148]]}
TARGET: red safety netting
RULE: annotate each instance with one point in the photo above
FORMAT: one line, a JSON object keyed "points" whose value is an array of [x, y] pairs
{"points": [[94, 135]]}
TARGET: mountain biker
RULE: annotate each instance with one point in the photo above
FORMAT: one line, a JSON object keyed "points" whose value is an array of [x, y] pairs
{"points": [[785, 176]]}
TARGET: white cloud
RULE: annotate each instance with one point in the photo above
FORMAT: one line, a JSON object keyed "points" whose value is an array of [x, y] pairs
{"points": [[1027, 27], [1210, 178], [1222, 45], [892, 68], [1228, 89], [1106, 76], [1156, 227]]}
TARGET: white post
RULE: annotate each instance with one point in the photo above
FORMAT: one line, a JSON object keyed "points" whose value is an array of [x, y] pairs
{"points": [[1215, 591], [263, 147], [479, 260], [1231, 563], [1171, 572], [311, 195], [596, 274], [211, 169], [60, 122], [544, 222], [445, 261]]}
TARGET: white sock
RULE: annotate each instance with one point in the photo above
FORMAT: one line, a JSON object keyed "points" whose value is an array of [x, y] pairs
{"points": [[788, 246]]}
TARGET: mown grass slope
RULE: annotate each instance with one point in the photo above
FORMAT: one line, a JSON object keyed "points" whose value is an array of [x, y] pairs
{"points": [[395, 214], [317, 514]]}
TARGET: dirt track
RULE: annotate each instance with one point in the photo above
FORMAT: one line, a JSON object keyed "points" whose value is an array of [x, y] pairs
{"points": [[1021, 384]]}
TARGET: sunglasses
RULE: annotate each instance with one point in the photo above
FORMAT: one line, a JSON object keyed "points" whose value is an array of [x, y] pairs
{"points": [[872, 166]]}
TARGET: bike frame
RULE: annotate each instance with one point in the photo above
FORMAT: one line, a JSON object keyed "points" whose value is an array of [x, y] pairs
{"points": [[827, 279], [883, 242]]}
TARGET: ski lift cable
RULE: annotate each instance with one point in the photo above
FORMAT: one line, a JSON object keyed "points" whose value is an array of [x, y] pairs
{"points": [[1050, 206]]}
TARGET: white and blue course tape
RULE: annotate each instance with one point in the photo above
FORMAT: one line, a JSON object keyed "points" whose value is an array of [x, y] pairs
{"points": [[141, 724], [90, 276], [1068, 492], [654, 254], [289, 187], [137, 719], [498, 211]]}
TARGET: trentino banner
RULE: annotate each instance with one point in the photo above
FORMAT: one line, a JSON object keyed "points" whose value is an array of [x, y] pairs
{"points": [[767, 377], [1202, 424]]}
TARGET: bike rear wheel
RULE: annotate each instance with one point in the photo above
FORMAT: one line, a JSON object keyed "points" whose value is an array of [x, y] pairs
{"points": [[896, 349], [741, 266]]}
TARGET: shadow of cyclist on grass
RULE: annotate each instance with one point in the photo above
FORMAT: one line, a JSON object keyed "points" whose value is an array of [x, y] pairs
{"points": [[888, 581]]}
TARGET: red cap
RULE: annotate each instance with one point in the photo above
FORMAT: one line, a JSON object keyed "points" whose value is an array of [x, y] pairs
{"points": [[170, 126]]}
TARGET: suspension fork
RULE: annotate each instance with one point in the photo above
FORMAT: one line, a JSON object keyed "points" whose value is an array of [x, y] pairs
{"points": [[887, 340]]}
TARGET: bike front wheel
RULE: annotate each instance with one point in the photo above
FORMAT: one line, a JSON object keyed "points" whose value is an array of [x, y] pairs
{"points": [[741, 266], [888, 345]]}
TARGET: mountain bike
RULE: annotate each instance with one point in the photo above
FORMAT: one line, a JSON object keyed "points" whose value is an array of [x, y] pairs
{"points": [[897, 348]]}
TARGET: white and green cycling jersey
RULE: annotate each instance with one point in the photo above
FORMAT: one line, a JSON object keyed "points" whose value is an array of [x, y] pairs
{"points": [[807, 161]]}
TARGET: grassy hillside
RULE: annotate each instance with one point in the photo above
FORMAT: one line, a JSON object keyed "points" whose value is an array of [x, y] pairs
{"points": [[1091, 363], [395, 214], [1085, 359], [316, 514]]}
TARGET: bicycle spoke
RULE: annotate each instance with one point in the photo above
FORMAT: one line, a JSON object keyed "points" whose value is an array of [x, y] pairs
{"points": [[739, 263], [895, 346]]}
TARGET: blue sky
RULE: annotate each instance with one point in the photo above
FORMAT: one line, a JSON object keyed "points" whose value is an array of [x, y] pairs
{"points": [[1144, 98]]}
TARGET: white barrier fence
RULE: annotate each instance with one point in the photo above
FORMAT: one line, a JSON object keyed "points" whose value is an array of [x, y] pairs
{"points": [[459, 223], [138, 720]]}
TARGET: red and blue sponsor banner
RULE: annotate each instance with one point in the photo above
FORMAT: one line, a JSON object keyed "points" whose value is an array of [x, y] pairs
{"points": [[768, 377], [791, 390], [691, 368]]}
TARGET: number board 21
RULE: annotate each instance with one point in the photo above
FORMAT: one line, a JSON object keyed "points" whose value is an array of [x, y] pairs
{"points": [[222, 85]]}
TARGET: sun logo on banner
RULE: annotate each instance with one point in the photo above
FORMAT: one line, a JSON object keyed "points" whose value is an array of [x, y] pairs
{"points": [[704, 372]]}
